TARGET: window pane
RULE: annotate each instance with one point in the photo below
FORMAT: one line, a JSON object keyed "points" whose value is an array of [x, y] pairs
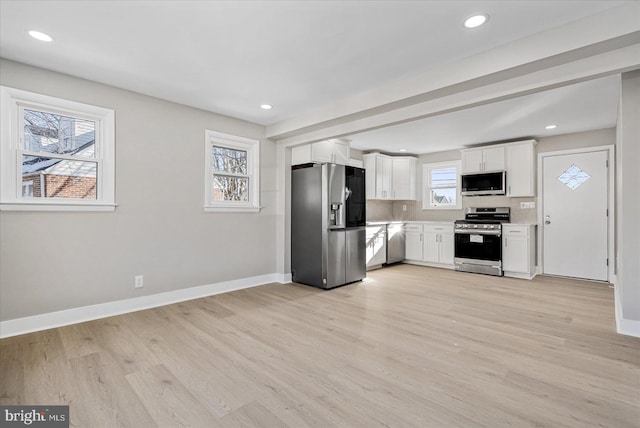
{"points": [[443, 197], [227, 188], [229, 160], [54, 133], [44, 177], [443, 177]]}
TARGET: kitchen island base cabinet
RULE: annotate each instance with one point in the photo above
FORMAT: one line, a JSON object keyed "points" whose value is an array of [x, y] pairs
{"points": [[518, 251], [430, 244]]}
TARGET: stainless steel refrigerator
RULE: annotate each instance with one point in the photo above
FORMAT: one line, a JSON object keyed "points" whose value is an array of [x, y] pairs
{"points": [[328, 217]]}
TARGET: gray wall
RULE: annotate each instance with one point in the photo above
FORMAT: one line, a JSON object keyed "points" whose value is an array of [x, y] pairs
{"points": [[414, 209], [628, 199], [52, 261]]}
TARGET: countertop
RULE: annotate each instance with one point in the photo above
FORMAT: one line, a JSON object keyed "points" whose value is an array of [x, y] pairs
{"points": [[380, 223]]}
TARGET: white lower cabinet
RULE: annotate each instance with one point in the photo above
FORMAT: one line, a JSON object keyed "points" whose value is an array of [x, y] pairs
{"points": [[430, 244], [438, 243], [376, 246], [518, 250], [413, 241]]}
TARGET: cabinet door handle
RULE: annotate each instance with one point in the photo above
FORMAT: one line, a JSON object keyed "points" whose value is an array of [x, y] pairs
{"points": [[506, 242], [509, 189]]}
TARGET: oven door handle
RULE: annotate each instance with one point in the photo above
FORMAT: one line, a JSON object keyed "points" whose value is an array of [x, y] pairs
{"points": [[479, 232]]}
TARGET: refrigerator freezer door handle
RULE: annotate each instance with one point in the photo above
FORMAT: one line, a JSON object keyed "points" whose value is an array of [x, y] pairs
{"points": [[347, 193]]}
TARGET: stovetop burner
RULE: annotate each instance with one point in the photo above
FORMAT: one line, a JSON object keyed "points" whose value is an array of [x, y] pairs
{"points": [[486, 215]]}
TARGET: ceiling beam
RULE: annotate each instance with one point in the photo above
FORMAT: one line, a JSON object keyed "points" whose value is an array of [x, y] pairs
{"points": [[542, 61]]}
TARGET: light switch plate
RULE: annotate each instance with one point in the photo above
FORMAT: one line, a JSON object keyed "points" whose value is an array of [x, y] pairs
{"points": [[526, 205]]}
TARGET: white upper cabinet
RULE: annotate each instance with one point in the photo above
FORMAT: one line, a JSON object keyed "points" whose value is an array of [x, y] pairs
{"points": [[383, 175], [520, 163], [390, 177], [404, 178], [484, 159], [517, 158], [378, 177], [301, 154], [330, 151]]}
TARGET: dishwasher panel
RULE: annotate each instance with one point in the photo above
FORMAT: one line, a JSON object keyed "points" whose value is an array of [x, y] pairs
{"points": [[395, 243]]}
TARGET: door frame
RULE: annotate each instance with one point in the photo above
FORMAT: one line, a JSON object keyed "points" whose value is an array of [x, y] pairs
{"points": [[610, 149]]}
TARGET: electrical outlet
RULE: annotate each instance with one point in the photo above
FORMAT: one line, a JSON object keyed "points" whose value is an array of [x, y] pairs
{"points": [[138, 281], [525, 205], [404, 208]]}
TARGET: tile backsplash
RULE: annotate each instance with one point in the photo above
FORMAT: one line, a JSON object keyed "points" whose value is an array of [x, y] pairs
{"points": [[379, 210], [393, 210]]}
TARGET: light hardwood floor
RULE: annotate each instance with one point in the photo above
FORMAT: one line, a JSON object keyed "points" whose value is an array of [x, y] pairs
{"points": [[408, 347]]}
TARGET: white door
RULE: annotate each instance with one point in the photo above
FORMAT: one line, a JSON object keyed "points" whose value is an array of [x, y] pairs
{"points": [[574, 209]]}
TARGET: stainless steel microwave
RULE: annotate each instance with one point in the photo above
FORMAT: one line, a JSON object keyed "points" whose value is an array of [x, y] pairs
{"points": [[486, 183]]}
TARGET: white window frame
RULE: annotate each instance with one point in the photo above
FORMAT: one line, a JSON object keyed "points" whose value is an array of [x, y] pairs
{"points": [[12, 103], [27, 185], [426, 185], [252, 147]]}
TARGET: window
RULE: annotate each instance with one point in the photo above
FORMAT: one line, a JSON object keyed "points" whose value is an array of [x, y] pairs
{"points": [[441, 184], [232, 173], [27, 188], [55, 154]]}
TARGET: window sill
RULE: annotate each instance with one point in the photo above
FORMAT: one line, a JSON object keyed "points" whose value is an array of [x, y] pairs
{"points": [[32, 206], [232, 209]]}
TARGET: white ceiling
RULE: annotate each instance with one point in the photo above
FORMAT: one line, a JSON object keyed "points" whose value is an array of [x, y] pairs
{"points": [[574, 108], [231, 56]]}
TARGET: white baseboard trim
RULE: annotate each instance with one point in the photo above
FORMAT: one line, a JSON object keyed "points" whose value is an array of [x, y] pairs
{"points": [[429, 264], [628, 327], [49, 320], [519, 275], [284, 278], [625, 326]]}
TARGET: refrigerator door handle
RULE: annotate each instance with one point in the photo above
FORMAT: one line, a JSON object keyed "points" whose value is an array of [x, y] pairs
{"points": [[347, 193]]}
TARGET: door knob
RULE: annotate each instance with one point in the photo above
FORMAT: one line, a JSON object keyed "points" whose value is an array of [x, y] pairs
{"points": [[547, 222]]}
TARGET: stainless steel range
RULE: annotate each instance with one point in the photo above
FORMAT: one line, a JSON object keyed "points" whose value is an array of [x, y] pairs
{"points": [[478, 240]]}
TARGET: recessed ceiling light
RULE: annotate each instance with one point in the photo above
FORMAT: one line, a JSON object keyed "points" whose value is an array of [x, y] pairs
{"points": [[475, 21], [266, 106], [40, 36], [551, 127], [403, 150]]}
